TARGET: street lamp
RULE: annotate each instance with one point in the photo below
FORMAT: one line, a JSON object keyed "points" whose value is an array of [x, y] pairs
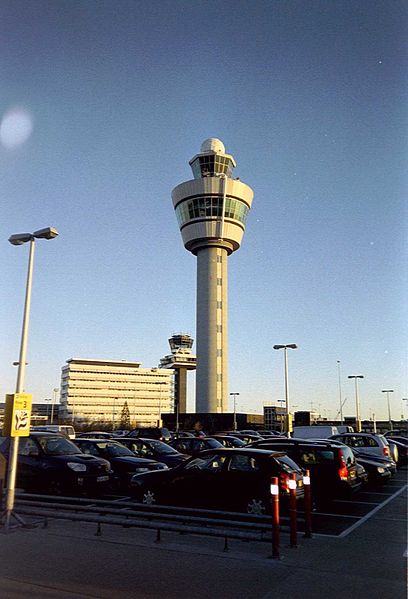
{"points": [[388, 391], [340, 399], [402, 409], [19, 239], [235, 410], [55, 391], [48, 400], [358, 421], [281, 401], [285, 348]]}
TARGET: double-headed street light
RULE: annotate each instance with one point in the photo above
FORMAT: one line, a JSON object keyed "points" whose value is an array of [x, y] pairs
{"points": [[388, 391], [235, 409], [358, 420], [19, 239], [285, 348]]}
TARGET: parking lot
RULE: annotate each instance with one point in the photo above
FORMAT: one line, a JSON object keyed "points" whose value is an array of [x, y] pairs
{"points": [[359, 550], [347, 514]]}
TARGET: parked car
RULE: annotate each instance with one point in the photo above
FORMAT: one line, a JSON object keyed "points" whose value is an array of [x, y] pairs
{"points": [[65, 429], [249, 432], [372, 443], [151, 432], [246, 437], [51, 463], [362, 473], [399, 432], [221, 479], [94, 435], [229, 440], [124, 463], [332, 465], [192, 446], [154, 450], [402, 445], [379, 470]]}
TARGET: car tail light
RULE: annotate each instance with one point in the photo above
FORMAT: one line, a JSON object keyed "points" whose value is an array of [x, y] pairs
{"points": [[386, 451], [284, 481], [343, 470]]}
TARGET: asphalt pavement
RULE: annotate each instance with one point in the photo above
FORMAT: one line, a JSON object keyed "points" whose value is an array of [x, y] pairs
{"points": [[69, 560]]}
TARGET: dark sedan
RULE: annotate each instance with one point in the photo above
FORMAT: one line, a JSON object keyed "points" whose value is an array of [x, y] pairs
{"points": [[222, 479], [153, 449], [229, 440], [332, 465], [402, 446], [124, 463], [51, 463], [379, 470], [192, 446]]}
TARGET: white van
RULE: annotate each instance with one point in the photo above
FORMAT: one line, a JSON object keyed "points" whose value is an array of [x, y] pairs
{"points": [[65, 429], [317, 431]]}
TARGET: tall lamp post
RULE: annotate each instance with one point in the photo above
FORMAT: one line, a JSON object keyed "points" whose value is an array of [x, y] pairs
{"points": [[285, 348], [388, 391], [340, 399], [20, 239], [54, 391], [358, 420], [235, 409]]}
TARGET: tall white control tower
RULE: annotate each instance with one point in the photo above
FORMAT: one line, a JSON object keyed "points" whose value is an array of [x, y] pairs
{"points": [[211, 210]]}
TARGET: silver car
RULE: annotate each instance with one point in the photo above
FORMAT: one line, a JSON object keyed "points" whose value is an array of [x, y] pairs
{"points": [[370, 444]]}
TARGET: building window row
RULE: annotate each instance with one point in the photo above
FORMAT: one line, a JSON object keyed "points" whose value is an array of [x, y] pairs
{"points": [[211, 206]]}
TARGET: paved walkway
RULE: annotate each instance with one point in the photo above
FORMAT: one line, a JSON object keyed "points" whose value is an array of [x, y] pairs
{"points": [[67, 560]]}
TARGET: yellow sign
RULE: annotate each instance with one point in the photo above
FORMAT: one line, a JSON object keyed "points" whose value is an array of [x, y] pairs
{"points": [[17, 415]]}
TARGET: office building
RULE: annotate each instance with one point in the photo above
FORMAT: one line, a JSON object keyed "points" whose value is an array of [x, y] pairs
{"points": [[97, 390]]}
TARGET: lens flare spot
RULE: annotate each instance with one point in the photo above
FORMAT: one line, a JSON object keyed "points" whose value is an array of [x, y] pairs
{"points": [[15, 128]]}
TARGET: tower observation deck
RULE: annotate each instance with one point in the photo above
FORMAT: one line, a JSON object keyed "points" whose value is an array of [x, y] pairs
{"points": [[211, 210]]}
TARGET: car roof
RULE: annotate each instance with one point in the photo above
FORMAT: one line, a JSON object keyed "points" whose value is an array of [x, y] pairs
{"points": [[96, 440], [236, 450]]}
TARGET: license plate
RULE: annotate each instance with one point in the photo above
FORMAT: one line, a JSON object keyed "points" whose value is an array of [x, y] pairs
{"points": [[102, 479]]}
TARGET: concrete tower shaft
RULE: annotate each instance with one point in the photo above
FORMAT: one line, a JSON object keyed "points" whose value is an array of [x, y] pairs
{"points": [[211, 210]]}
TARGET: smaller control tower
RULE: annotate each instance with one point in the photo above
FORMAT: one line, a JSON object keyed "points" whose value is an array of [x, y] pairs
{"points": [[181, 359]]}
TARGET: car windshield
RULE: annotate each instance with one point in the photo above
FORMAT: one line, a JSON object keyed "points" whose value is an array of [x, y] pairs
{"points": [[57, 446], [213, 443], [287, 464], [236, 442], [114, 450], [161, 447], [348, 455]]}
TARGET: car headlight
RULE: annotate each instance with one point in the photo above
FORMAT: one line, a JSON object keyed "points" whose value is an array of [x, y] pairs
{"points": [[77, 467], [161, 467], [380, 470]]}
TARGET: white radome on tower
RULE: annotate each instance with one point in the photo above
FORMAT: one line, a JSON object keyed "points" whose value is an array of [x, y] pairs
{"points": [[213, 144]]}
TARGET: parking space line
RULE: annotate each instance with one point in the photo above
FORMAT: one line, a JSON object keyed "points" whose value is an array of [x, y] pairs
{"points": [[370, 514]]}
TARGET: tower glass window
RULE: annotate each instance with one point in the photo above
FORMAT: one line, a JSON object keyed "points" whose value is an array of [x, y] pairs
{"points": [[204, 207], [210, 165]]}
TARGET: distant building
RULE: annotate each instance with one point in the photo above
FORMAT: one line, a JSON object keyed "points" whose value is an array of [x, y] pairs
{"points": [[96, 391]]}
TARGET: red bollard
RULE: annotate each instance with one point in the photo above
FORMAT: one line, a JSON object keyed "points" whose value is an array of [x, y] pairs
{"points": [[307, 505], [275, 517], [292, 509]]}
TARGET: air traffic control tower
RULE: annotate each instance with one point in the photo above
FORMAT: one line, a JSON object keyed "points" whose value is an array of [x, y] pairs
{"points": [[211, 210]]}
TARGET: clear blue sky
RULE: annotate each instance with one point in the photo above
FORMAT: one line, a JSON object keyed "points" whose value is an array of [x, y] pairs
{"points": [[311, 99]]}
